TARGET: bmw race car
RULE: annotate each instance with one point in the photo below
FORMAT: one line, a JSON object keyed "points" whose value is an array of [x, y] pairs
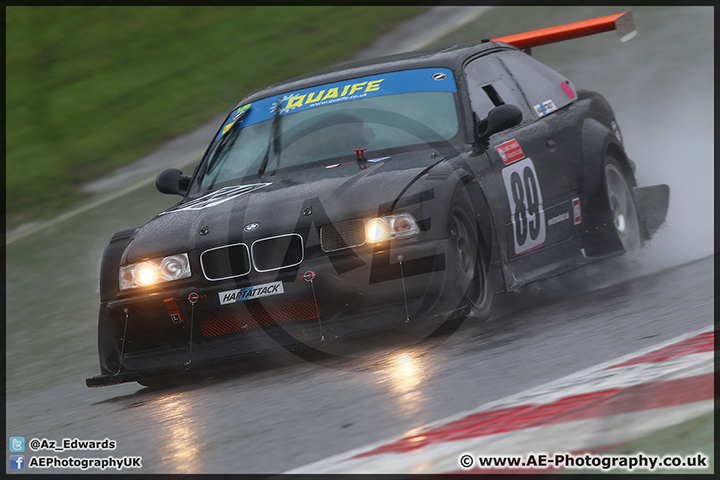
{"points": [[405, 189]]}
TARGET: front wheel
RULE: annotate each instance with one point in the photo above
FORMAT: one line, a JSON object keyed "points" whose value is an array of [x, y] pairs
{"points": [[471, 259], [622, 206]]}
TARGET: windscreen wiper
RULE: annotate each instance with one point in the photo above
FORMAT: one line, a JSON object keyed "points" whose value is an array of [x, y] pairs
{"points": [[273, 140]]}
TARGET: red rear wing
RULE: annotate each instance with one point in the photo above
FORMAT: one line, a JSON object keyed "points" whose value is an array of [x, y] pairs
{"points": [[622, 22]]}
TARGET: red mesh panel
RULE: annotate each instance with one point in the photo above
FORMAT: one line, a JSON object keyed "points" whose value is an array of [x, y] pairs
{"points": [[244, 316]]}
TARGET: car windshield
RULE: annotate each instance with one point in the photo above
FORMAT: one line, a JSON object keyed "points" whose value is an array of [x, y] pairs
{"points": [[328, 123]]}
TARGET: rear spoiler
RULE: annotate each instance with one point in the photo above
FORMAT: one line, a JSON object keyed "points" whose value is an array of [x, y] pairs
{"points": [[622, 22]]}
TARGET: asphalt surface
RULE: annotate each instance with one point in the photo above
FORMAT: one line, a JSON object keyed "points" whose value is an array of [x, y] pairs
{"points": [[281, 413]]}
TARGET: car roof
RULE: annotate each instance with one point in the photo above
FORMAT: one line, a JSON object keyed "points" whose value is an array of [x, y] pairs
{"points": [[451, 57]]}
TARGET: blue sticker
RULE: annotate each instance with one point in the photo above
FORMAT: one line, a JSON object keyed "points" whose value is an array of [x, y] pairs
{"points": [[391, 83]]}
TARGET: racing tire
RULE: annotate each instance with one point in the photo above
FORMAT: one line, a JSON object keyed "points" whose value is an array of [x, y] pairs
{"points": [[464, 241], [472, 278], [622, 205]]}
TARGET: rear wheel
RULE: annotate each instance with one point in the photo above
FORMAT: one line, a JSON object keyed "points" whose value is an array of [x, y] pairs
{"points": [[622, 205]]}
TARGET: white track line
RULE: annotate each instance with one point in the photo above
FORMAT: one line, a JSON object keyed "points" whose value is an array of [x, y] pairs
{"points": [[516, 399], [572, 436], [84, 208]]}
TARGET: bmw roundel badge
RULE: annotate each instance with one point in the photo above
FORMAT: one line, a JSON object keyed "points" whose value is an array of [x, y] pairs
{"points": [[251, 226]]}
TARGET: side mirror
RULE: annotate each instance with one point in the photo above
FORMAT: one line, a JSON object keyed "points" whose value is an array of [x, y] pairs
{"points": [[172, 181], [500, 118]]}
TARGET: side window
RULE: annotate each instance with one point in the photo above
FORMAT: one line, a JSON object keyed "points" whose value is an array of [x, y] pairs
{"points": [[544, 88], [490, 85]]}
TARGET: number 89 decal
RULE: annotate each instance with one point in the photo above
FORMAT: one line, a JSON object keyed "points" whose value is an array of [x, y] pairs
{"points": [[526, 208]]}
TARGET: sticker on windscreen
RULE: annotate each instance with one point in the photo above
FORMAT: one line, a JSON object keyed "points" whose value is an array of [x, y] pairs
{"points": [[390, 83], [544, 108]]}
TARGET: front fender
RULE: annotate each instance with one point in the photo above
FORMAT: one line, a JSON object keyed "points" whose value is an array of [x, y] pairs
{"points": [[109, 267]]}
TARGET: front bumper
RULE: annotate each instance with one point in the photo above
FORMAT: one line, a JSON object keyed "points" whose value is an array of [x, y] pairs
{"points": [[348, 292]]}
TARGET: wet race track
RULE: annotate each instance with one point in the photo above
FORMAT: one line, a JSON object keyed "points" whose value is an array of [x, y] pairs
{"points": [[283, 412]]}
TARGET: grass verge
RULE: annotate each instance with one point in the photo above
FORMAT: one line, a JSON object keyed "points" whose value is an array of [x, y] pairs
{"points": [[696, 436], [93, 88]]}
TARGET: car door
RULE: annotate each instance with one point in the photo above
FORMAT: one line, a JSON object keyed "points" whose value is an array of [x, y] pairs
{"points": [[536, 164]]}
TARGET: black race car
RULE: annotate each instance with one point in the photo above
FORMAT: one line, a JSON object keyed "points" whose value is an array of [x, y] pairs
{"points": [[407, 189]]}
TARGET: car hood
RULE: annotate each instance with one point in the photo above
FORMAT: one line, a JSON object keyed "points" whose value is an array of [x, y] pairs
{"points": [[280, 204]]}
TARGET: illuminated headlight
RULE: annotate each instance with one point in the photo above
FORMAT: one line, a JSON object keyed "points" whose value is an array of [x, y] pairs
{"points": [[391, 226], [156, 270], [377, 230]]}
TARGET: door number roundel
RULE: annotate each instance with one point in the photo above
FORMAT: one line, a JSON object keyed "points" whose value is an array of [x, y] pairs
{"points": [[526, 207]]}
